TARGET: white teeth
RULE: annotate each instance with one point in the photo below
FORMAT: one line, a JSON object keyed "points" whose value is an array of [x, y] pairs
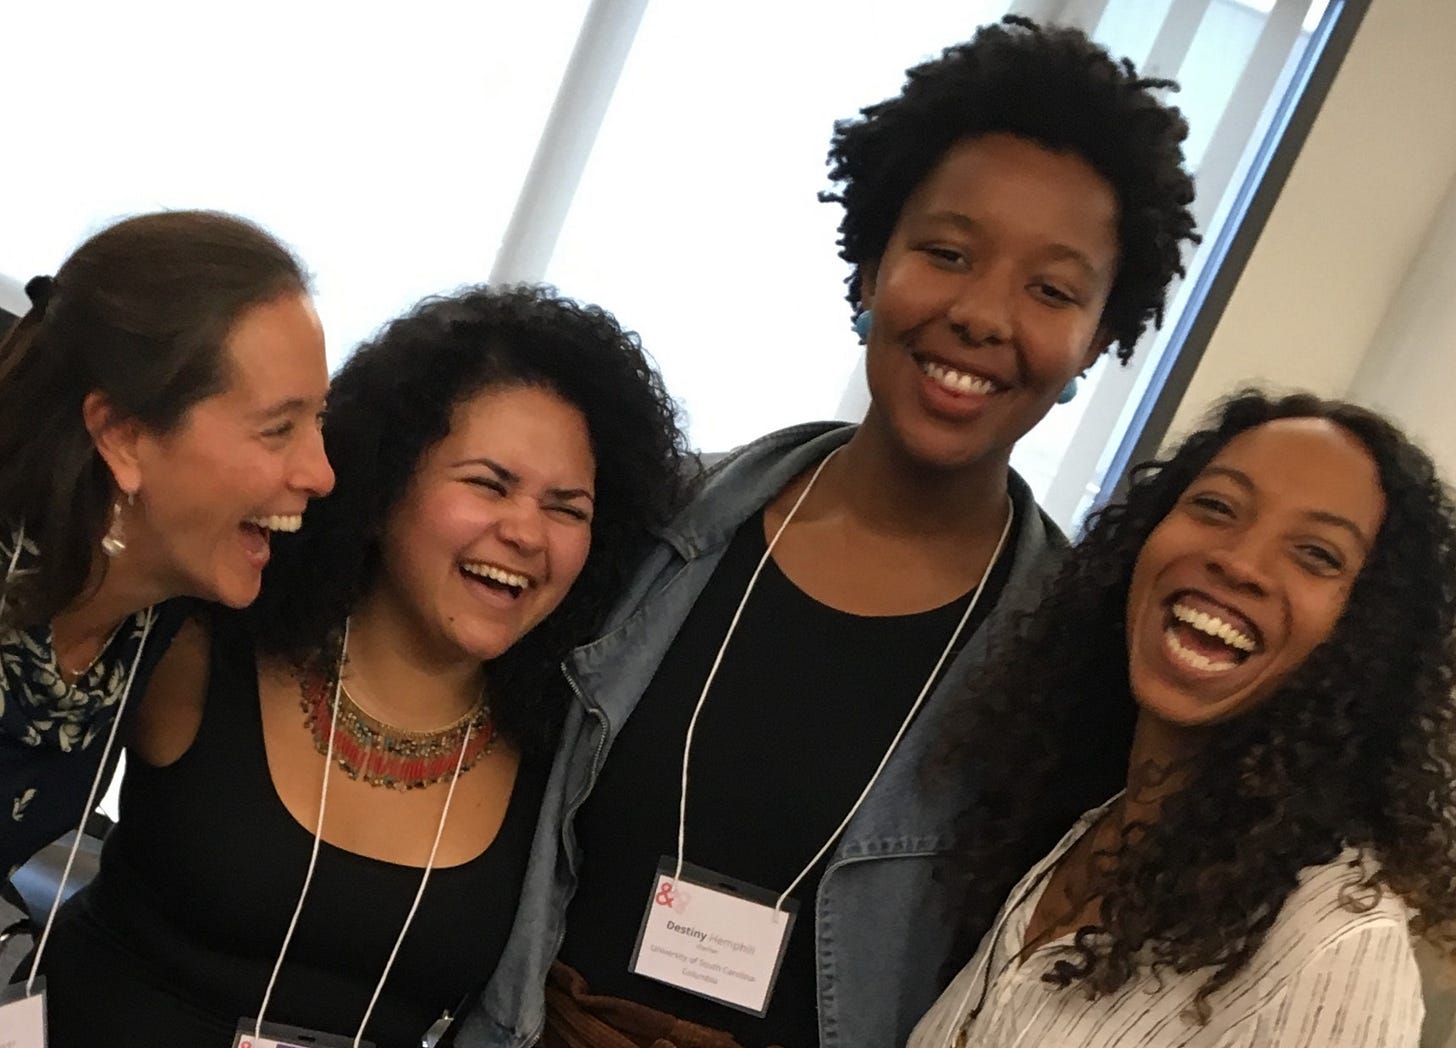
{"points": [[501, 575], [1214, 627], [1196, 659], [279, 522], [957, 381]]}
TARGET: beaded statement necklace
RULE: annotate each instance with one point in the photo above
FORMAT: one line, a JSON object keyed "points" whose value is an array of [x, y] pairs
{"points": [[367, 749]]}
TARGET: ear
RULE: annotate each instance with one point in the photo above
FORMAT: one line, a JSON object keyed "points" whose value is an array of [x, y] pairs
{"points": [[868, 277], [116, 440]]}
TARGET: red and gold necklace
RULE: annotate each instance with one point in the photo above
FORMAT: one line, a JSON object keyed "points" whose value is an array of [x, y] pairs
{"points": [[380, 754]]}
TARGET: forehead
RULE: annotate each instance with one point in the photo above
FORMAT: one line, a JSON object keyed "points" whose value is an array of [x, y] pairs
{"points": [[533, 432], [1310, 464], [1015, 187], [275, 351]]}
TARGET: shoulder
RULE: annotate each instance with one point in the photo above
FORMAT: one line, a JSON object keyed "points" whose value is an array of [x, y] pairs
{"points": [[1333, 901], [1338, 967], [808, 441], [170, 712]]}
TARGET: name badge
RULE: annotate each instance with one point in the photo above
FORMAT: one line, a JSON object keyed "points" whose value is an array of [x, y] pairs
{"points": [[276, 1035], [22, 1017], [713, 936]]}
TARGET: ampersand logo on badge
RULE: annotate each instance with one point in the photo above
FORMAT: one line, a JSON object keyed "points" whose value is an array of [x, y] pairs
{"points": [[664, 894]]}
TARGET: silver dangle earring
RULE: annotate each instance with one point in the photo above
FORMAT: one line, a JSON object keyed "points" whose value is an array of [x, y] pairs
{"points": [[113, 543]]}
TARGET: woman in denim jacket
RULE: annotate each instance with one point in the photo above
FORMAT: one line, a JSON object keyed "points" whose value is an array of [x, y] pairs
{"points": [[1018, 209]]}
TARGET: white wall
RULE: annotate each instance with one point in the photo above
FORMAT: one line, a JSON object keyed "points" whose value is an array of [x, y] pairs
{"points": [[1324, 283], [1410, 368]]}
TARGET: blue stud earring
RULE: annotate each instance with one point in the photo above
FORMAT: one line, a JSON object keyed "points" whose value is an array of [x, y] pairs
{"points": [[1069, 391], [862, 325]]}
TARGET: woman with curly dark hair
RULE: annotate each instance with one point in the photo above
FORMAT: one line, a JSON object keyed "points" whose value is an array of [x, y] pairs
{"points": [[1015, 211], [1275, 607], [382, 719]]}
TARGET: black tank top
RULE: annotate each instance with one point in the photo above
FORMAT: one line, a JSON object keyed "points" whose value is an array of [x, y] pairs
{"points": [[804, 705], [174, 940]]}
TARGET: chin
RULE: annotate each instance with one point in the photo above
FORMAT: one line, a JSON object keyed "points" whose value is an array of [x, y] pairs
{"points": [[484, 647], [1184, 712], [232, 593]]}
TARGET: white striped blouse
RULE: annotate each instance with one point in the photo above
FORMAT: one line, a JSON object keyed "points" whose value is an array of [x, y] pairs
{"points": [[1325, 977]]}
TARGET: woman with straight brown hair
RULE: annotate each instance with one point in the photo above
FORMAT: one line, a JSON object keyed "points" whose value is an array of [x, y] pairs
{"points": [[159, 409]]}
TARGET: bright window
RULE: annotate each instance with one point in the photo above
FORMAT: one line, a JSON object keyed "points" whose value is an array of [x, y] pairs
{"points": [[697, 220], [385, 142]]}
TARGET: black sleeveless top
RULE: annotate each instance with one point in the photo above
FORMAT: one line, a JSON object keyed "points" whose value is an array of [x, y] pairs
{"points": [[175, 939], [804, 705]]}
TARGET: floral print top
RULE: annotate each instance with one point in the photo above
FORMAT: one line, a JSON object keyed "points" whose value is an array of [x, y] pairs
{"points": [[52, 730]]}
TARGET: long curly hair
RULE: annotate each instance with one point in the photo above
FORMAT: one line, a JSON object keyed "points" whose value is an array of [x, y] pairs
{"points": [[1355, 750], [1051, 85], [395, 399], [141, 313]]}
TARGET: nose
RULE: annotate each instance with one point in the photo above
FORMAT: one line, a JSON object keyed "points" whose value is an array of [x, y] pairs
{"points": [[521, 525], [982, 308], [312, 473], [1243, 564]]}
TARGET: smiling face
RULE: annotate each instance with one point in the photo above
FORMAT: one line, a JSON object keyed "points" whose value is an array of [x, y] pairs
{"points": [[241, 464], [495, 525], [987, 298], [1251, 569]]}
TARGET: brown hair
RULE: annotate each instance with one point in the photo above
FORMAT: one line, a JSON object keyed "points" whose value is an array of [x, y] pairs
{"points": [[140, 313]]}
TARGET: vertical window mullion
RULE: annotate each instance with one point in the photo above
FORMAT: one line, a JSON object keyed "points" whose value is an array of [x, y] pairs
{"points": [[1175, 38], [567, 138], [1250, 96]]}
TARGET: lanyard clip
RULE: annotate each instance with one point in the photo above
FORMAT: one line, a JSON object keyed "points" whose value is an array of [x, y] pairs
{"points": [[438, 1029]]}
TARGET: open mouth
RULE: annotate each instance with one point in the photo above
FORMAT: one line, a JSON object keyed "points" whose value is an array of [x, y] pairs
{"points": [[258, 530], [265, 526], [957, 383], [496, 578], [1207, 636]]}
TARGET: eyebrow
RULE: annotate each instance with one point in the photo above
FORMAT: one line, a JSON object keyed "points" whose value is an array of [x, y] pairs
{"points": [[1243, 480], [283, 407], [561, 494], [1055, 251]]}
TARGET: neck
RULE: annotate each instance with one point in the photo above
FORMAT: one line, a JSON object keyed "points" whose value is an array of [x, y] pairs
{"points": [[881, 485], [1160, 765], [125, 587], [398, 678]]}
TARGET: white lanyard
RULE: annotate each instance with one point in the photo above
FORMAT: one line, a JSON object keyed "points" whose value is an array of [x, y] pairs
{"points": [[90, 799], [95, 782], [14, 560], [313, 859], [682, 811]]}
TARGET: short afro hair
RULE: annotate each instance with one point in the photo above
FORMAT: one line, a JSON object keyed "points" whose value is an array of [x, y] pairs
{"points": [[1051, 85]]}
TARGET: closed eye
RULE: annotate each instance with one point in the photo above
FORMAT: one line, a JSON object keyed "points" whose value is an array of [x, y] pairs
{"points": [[1322, 556], [946, 255], [1055, 294], [489, 483], [1212, 504], [573, 512], [282, 429]]}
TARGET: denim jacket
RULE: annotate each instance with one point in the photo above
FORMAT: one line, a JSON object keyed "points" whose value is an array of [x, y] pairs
{"points": [[882, 924]]}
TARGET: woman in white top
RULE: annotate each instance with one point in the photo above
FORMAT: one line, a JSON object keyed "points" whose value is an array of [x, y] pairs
{"points": [[1278, 601]]}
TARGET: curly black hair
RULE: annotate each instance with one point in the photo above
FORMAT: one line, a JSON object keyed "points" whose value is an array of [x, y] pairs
{"points": [[1356, 749], [1055, 87], [394, 400]]}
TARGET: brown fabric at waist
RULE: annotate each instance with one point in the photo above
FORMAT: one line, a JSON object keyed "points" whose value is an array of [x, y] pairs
{"points": [[578, 1018]]}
